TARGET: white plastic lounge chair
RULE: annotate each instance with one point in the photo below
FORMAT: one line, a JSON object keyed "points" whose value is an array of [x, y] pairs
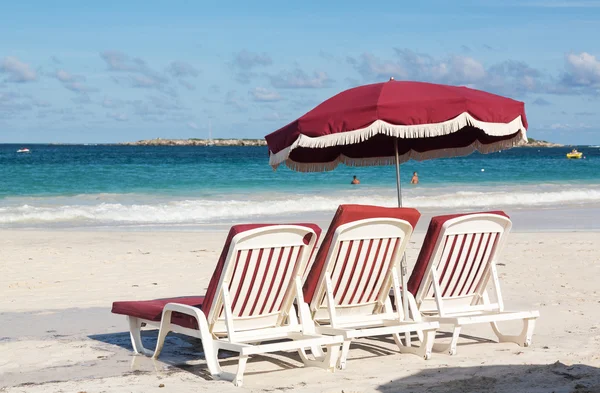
{"points": [[356, 266], [455, 267], [249, 302]]}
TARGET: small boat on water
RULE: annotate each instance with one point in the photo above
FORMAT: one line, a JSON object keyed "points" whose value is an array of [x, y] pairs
{"points": [[574, 154], [24, 150]]}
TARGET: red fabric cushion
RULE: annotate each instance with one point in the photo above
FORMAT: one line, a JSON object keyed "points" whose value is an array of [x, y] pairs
{"points": [[431, 237], [344, 215], [152, 309]]}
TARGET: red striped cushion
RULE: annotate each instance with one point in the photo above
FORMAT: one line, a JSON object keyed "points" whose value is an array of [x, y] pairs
{"points": [[433, 232], [344, 215], [235, 230], [152, 309]]}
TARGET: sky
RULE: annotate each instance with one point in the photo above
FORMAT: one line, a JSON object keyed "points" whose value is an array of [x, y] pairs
{"points": [[115, 71]]}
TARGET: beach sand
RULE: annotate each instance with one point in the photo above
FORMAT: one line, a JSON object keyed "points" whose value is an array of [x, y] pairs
{"points": [[57, 333]]}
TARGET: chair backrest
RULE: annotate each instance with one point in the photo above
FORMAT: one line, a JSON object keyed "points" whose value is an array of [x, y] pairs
{"points": [[354, 264], [457, 260], [311, 258], [255, 275]]}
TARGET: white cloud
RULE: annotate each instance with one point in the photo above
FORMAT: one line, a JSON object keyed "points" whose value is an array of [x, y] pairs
{"points": [[73, 82], [245, 61], [456, 69], [12, 103], [373, 69], [584, 69], [17, 71], [509, 77], [192, 125], [140, 75], [119, 61], [65, 76], [264, 95]]}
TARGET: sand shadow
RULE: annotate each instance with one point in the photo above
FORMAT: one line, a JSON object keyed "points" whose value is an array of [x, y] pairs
{"points": [[182, 352], [441, 337], [556, 377], [185, 353]]}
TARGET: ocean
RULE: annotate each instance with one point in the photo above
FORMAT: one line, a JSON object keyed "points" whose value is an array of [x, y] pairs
{"points": [[136, 186]]}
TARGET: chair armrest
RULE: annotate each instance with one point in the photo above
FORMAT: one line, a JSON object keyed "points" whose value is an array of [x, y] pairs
{"points": [[187, 310]]}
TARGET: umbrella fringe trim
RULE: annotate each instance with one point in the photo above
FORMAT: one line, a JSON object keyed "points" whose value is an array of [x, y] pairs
{"points": [[414, 155], [401, 131]]}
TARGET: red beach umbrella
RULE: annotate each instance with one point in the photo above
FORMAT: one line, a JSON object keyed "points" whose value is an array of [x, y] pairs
{"points": [[393, 122]]}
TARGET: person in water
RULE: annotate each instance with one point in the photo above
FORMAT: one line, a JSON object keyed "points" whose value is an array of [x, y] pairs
{"points": [[355, 180], [415, 178]]}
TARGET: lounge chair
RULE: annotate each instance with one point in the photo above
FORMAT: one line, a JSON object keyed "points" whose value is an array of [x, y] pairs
{"points": [[455, 267], [248, 303], [350, 280]]}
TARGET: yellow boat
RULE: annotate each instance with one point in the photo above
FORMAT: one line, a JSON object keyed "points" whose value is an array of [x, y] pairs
{"points": [[574, 155]]}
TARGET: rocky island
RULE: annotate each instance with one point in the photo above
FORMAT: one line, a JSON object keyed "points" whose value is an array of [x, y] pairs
{"points": [[197, 142], [261, 142], [540, 143]]}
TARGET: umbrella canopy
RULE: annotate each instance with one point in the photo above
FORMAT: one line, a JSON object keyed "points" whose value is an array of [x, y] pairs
{"points": [[366, 125]]}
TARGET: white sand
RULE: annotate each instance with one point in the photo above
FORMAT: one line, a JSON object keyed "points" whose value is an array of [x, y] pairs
{"points": [[55, 321]]}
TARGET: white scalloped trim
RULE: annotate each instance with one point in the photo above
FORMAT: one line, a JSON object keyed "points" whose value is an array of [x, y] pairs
{"points": [[406, 132], [443, 153]]}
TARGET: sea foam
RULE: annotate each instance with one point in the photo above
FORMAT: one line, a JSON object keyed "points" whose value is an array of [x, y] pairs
{"points": [[129, 210]]}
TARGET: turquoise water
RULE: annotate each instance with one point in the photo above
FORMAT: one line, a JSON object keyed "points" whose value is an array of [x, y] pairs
{"points": [[112, 185]]}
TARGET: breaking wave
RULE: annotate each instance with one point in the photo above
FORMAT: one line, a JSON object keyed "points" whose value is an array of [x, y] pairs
{"points": [[143, 211]]}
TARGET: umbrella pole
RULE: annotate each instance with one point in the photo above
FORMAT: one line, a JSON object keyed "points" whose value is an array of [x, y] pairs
{"points": [[403, 261], [398, 184]]}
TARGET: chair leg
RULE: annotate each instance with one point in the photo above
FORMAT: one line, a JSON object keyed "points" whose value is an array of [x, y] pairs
{"points": [[316, 351], [165, 328], [332, 357], [327, 360], [451, 348], [455, 336], [425, 347], [414, 313], [523, 339], [211, 354], [211, 351], [398, 340], [344, 355], [135, 333], [239, 375]]}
